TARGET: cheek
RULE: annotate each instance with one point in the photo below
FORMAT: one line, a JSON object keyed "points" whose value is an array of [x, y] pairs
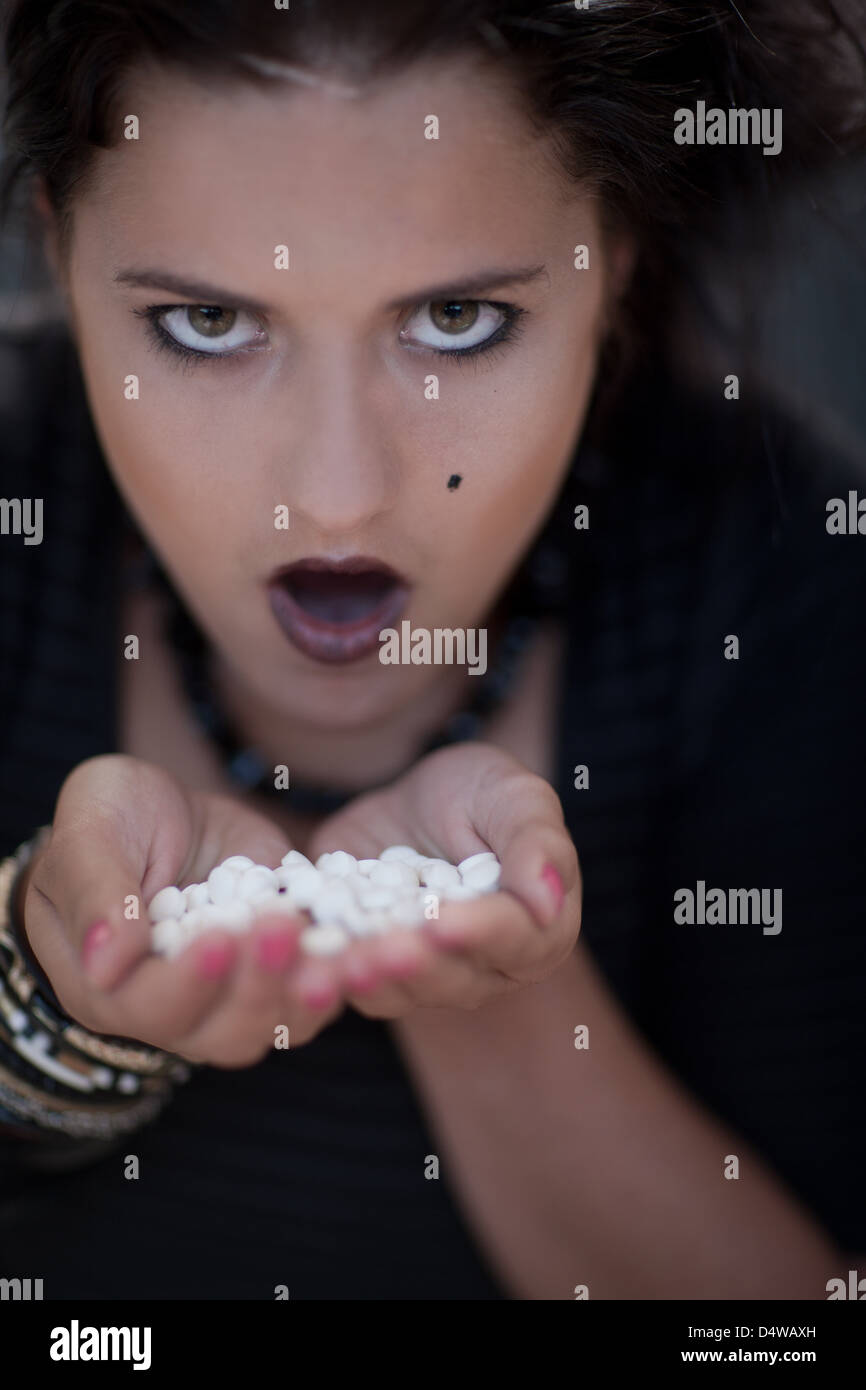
{"points": [[512, 468], [160, 451]]}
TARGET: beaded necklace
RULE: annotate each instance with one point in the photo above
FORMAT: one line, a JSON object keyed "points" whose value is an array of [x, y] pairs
{"points": [[243, 763]]}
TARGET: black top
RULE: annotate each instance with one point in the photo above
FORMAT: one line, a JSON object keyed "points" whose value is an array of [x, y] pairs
{"points": [[706, 520]]}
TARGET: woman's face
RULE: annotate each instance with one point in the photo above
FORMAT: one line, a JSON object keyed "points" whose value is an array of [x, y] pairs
{"points": [[319, 400]]}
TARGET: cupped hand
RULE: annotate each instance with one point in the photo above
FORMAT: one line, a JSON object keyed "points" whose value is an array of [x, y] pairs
{"points": [[456, 802], [123, 829]]}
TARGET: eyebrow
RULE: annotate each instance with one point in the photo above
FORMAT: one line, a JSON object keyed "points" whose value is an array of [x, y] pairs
{"points": [[202, 293]]}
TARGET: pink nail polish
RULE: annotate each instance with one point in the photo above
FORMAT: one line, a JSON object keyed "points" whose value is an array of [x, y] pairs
{"points": [[96, 938], [318, 996], [401, 967], [553, 880], [361, 983]]}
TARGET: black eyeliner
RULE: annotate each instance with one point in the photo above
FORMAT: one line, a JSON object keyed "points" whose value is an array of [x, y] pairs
{"points": [[164, 341]]}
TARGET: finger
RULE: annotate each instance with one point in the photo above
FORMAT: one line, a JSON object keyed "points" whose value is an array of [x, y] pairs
{"points": [[241, 1028], [314, 984], [520, 817], [311, 1000], [163, 1000], [404, 970], [84, 911], [376, 973], [497, 926]]}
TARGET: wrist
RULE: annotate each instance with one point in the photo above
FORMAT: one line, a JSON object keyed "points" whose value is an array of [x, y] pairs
{"points": [[55, 1075]]}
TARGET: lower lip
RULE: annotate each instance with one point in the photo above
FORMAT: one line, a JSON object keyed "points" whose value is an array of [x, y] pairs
{"points": [[335, 643]]}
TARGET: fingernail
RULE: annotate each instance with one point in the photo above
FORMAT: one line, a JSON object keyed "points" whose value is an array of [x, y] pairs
{"points": [[96, 939], [362, 984], [360, 979], [317, 994], [215, 960], [400, 967], [274, 950], [319, 998], [556, 892]]}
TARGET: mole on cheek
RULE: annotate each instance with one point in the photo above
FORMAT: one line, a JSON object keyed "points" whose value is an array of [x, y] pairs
{"points": [[454, 481]]}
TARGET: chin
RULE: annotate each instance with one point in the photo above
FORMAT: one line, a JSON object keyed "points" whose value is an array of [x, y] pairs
{"points": [[343, 699]]}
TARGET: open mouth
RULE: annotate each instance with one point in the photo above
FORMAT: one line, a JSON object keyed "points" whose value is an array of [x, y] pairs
{"points": [[334, 610]]}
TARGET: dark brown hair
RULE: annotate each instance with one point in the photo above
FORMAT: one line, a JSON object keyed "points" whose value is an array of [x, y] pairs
{"points": [[605, 81]]}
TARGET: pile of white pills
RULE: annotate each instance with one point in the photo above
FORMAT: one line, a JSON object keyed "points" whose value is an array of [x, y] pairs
{"points": [[345, 897]]}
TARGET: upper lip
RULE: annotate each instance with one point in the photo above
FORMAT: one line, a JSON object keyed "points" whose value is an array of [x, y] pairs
{"points": [[349, 564]]}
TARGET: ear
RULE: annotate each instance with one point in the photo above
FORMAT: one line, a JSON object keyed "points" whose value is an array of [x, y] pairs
{"points": [[622, 255], [50, 231]]}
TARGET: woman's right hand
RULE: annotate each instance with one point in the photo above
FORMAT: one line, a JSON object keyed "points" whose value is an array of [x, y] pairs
{"points": [[123, 829]]}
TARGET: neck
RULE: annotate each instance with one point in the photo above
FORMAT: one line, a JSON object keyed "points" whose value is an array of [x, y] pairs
{"points": [[354, 759]]}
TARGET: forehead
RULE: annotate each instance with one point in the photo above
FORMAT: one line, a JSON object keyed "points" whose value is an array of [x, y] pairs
{"points": [[224, 171]]}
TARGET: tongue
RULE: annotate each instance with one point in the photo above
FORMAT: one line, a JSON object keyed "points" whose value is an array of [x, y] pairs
{"points": [[338, 598]]}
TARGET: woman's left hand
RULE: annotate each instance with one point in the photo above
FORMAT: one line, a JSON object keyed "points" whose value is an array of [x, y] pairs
{"points": [[456, 802]]}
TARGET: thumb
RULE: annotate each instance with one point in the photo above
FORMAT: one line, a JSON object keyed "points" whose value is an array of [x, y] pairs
{"points": [[84, 910], [118, 823]]}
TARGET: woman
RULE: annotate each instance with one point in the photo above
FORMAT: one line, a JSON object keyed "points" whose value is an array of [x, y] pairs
{"points": [[278, 235]]}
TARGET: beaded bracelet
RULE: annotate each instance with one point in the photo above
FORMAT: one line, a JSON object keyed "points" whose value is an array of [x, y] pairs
{"points": [[55, 1074]]}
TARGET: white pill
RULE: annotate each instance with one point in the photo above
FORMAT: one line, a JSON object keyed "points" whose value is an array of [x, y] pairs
{"points": [[222, 884], [427, 863], [377, 898], [339, 863], [168, 902], [235, 916], [295, 860], [482, 877], [458, 892], [400, 854], [270, 902], [352, 918], [255, 881], [366, 866], [484, 856], [306, 886], [238, 861], [394, 873], [196, 895], [373, 923], [356, 883], [325, 939], [214, 915], [167, 936], [406, 912], [331, 899], [440, 875], [187, 934]]}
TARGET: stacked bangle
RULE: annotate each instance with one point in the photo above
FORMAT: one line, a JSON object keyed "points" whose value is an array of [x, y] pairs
{"points": [[55, 1074]]}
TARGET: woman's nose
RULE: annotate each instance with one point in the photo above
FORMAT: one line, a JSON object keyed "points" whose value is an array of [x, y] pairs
{"points": [[342, 471]]}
